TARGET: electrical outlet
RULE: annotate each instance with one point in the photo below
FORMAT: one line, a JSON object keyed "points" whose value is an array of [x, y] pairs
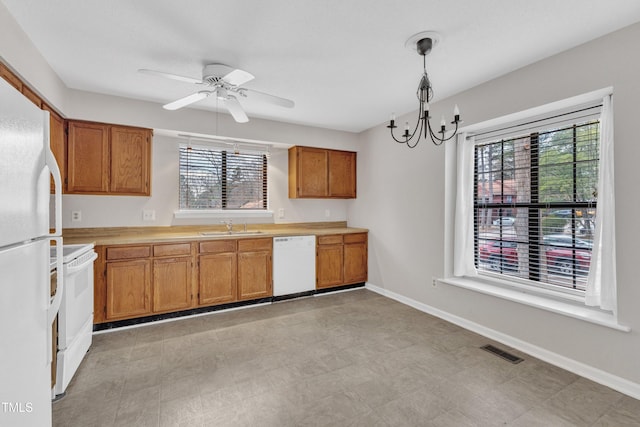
{"points": [[281, 213], [327, 213], [148, 215], [434, 282], [76, 216]]}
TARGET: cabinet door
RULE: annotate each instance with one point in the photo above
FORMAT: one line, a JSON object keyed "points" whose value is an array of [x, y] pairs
{"points": [[128, 289], [130, 159], [88, 158], [342, 174], [56, 141], [355, 262], [217, 281], [329, 266], [311, 172], [254, 275], [171, 284]]}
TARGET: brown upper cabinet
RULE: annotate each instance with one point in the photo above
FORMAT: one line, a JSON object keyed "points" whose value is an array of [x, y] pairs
{"points": [[108, 159], [318, 173], [95, 158], [57, 138]]}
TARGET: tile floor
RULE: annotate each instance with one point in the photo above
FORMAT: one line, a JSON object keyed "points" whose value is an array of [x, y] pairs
{"points": [[345, 359]]}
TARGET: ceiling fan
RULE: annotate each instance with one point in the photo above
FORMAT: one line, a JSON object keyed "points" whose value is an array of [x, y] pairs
{"points": [[224, 82]]}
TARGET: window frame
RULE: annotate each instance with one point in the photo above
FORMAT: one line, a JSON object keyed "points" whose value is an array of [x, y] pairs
{"points": [[193, 212], [566, 303], [540, 272]]}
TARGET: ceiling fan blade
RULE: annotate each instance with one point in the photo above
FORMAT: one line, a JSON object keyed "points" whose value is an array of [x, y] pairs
{"points": [[182, 102], [238, 77], [234, 107], [276, 100], [170, 76]]}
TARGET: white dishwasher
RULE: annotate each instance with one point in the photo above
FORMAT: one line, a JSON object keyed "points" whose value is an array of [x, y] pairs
{"points": [[294, 265]]}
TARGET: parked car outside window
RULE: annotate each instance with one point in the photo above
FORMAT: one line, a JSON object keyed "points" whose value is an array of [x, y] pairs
{"points": [[505, 221]]}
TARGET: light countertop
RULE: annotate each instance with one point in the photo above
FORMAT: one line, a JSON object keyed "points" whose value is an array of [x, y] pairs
{"points": [[133, 235]]}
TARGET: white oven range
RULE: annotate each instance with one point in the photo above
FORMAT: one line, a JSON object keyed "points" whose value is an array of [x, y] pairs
{"points": [[75, 318]]}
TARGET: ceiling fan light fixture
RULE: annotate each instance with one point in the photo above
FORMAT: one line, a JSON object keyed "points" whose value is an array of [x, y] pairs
{"points": [[222, 94]]}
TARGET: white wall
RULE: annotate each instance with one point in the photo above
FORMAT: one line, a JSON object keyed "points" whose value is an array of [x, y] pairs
{"points": [[401, 200], [119, 211], [126, 211], [17, 51]]}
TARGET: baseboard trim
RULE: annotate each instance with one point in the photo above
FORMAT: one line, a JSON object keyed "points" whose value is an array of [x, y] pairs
{"points": [[613, 381]]}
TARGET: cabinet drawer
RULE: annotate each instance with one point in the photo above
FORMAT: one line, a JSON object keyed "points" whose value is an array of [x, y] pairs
{"points": [[217, 246], [355, 238], [330, 240], [128, 252], [172, 249], [249, 245]]}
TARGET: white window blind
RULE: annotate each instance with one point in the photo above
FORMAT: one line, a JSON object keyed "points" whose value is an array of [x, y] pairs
{"points": [[220, 179], [535, 198]]}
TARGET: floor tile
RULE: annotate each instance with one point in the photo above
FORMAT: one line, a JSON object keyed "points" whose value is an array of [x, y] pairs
{"points": [[345, 359]]}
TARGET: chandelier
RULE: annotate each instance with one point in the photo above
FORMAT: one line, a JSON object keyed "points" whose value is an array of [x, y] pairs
{"points": [[423, 43]]}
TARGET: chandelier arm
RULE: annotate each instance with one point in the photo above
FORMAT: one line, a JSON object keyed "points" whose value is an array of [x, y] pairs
{"points": [[396, 139], [417, 124], [408, 142], [435, 137], [412, 134]]}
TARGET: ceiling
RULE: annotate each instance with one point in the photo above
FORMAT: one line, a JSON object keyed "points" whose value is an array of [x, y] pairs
{"points": [[343, 62]]}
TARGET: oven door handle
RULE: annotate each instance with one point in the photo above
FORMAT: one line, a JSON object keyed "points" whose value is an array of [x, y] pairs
{"points": [[56, 300], [70, 270]]}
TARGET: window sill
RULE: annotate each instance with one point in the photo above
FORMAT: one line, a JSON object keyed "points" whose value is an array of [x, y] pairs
{"points": [[204, 214], [565, 307]]}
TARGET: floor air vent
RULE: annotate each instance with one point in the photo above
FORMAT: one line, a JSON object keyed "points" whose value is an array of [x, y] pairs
{"points": [[501, 353]]}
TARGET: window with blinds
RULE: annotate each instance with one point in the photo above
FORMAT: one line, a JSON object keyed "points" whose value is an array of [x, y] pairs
{"points": [[535, 200], [218, 179]]}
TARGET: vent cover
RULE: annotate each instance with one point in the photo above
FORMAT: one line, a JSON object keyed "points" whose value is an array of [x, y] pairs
{"points": [[502, 354]]}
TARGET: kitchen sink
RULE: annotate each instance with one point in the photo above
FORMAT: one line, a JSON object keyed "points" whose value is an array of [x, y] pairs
{"points": [[231, 233]]}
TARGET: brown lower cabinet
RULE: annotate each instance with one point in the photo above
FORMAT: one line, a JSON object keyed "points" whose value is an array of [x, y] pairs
{"points": [[341, 259], [139, 280], [255, 279], [144, 279], [217, 272], [128, 289]]}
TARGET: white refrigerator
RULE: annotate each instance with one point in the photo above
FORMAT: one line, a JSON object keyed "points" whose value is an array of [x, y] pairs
{"points": [[27, 309]]}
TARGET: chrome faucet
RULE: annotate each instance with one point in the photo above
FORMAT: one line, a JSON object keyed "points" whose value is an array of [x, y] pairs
{"points": [[229, 225]]}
